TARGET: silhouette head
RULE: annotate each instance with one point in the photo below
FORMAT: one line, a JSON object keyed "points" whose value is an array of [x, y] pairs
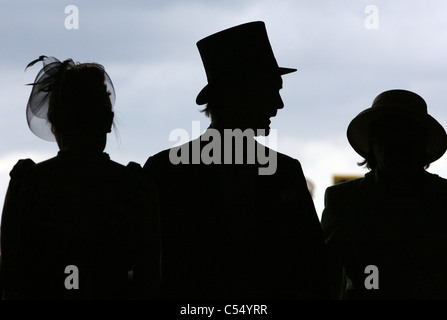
{"points": [[397, 134], [71, 103], [243, 76]]}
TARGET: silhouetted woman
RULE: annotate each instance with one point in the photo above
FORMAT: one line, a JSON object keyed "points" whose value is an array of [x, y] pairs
{"points": [[79, 225], [387, 231]]}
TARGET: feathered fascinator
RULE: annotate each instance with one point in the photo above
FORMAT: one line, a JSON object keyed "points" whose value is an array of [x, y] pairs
{"points": [[44, 84]]}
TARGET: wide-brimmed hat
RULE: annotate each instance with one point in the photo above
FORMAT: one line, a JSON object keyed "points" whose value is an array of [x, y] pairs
{"points": [[394, 104], [236, 56]]}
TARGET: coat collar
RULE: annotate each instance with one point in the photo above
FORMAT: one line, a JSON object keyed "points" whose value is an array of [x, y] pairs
{"points": [[432, 189]]}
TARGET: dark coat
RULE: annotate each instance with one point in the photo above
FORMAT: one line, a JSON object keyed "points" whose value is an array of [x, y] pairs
{"points": [[405, 238], [86, 211], [228, 232]]}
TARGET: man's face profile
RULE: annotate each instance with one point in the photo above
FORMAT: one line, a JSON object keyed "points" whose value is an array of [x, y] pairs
{"points": [[257, 103]]}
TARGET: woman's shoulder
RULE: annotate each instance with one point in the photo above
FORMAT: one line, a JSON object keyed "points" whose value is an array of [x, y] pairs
{"points": [[434, 178], [132, 168], [348, 194], [132, 172], [347, 186], [435, 185], [22, 169]]}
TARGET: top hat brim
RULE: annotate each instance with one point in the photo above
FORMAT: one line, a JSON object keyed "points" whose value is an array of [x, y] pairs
{"points": [[202, 97], [359, 129]]}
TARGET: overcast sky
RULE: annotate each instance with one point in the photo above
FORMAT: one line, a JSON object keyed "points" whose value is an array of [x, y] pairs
{"points": [[345, 56]]}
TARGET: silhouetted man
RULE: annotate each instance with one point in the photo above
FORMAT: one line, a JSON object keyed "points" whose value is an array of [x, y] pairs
{"points": [[237, 218]]}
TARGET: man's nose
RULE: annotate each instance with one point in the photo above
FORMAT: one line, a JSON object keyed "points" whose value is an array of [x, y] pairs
{"points": [[279, 103]]}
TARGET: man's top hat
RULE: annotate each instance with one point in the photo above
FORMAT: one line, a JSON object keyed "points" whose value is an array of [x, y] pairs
{"points": [[235, 56]]}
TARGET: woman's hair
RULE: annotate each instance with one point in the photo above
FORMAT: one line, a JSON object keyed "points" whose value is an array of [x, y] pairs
{"points": [[80, 101], [370, 162]]}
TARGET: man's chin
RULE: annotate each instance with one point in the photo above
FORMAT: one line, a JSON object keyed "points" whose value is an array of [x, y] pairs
{"points": [[264, 132]]}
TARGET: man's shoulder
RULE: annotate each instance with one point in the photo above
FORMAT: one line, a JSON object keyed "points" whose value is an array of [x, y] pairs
{"points": [[284, 161], [164, 159], [286, 158], [167, 159], [159, 157]]}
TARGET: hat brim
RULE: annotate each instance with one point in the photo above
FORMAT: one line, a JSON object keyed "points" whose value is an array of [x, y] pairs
{"points": [[202, 97], [359, 129]]}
